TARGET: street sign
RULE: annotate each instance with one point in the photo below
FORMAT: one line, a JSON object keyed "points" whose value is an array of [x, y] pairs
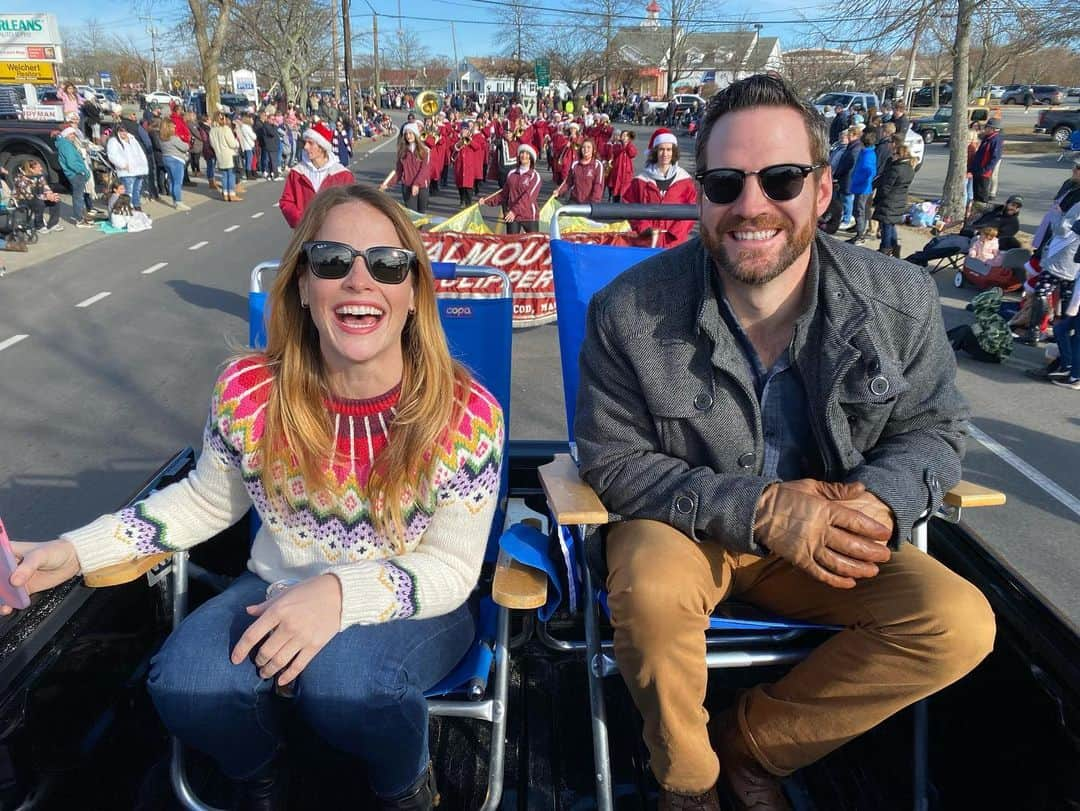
{"points": [[105, 77], [542, 68]]}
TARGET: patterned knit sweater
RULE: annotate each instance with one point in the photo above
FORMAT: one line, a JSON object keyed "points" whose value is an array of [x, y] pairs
{"points": [[307, 534]]}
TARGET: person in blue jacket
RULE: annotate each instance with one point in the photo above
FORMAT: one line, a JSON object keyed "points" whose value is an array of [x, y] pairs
{"points": [[78, 173], [862, 183], [842, 176]]}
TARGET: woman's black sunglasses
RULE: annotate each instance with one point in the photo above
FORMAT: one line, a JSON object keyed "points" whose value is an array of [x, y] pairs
{"points": [[334, 260], [781, 182]]}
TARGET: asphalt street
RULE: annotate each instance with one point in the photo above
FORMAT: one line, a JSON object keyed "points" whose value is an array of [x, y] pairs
{"points": [[124, 337]]}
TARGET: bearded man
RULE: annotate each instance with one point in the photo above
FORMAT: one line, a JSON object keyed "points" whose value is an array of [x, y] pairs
{"points": [[770, 411]]}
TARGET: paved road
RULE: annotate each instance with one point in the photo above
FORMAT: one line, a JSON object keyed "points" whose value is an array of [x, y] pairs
{"points": [[97, 396]]}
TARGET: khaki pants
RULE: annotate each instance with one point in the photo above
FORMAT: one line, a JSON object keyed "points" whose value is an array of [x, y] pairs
{"points": [[910, 631]]}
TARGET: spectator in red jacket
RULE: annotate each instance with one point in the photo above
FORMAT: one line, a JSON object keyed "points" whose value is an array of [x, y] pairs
{"points": [[664, 182], [319, 167], [621, 172]]}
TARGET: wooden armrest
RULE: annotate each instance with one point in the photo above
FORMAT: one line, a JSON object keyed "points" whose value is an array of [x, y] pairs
{"points": [[123, 572], [571, 500], [517, 585], [968, 494]]}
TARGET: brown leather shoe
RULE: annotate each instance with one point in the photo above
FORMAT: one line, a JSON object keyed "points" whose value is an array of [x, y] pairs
{"points": [[670, 801], [745, 783]]}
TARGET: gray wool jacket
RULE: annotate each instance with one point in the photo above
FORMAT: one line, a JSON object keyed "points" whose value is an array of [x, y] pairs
{"points": [[668, 424]]}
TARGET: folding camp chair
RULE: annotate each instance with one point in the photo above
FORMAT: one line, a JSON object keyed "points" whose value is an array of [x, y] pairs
{"points": [[479, 333], [739, 635]]}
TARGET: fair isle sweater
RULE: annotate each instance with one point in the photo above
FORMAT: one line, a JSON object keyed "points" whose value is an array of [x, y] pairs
{"points": [[304, 533]]}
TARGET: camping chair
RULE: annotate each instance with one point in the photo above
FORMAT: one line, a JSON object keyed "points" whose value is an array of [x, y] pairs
{"points": [[740, 636], [479, 333]]}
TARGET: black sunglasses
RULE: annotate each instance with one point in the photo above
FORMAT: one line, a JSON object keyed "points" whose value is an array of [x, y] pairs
{"points": [[781, 182], [334, 260]]}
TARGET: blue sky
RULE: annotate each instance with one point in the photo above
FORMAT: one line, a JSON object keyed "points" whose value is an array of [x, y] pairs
{"points": [[476, 35]]}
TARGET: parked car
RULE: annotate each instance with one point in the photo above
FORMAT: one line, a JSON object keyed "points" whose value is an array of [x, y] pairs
{"points": [[828, 102], [162, 97], [996, 91], [937, 127], [924, 96], [682, 102], [1059, 124], [1043, 93], [235, 102]]}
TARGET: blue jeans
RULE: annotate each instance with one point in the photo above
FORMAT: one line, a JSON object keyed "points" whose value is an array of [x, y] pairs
{"points": [[1068, 345], [78, 189], [889, 238], [849, 204], [363, 692], [228, 180], [247, 161], [133, 184], [175, 168], [210, 164]]}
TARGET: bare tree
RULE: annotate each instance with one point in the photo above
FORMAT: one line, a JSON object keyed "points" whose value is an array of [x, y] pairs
{"points": [[405, 51], [516, 30], [286, 40], [578, 63], [683, 18], [610, 12], [211, 19]]}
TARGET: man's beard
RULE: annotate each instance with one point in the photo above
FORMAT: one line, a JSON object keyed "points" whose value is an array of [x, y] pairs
{"points": [[741, 265]]}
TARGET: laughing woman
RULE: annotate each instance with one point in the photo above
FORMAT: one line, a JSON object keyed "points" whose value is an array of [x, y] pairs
{"points": [[373, 460]]}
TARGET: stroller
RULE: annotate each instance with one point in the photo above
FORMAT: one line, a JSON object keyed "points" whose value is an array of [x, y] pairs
{"points": [[16, 222], [104, 174]]}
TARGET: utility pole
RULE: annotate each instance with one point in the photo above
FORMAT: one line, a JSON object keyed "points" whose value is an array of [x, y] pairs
{"points": [[375, 54], [457, 67], [346, 32], [151, 29], [334, 44]]}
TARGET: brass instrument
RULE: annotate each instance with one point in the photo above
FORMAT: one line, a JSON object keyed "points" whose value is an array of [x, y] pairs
{"points": [[429, 103]]}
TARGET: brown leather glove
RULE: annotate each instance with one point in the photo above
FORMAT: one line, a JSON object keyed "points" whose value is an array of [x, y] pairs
{"points": [[806, 523]]}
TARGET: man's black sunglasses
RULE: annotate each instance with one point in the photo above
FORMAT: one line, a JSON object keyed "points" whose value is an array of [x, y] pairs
{"points": [[781, 182], [334, 260]]}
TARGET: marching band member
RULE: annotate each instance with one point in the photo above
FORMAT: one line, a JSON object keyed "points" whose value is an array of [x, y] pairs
{"points": [[585, 181], [662, 181], [520, 195], [481, 138], [413, 169], [568, 153], [468, 164], [621, 170]]}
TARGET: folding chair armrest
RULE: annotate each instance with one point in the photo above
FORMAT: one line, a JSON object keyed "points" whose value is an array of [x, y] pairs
{"points": [[517, 585], [125, 572], [571, 500], [968, 494]]}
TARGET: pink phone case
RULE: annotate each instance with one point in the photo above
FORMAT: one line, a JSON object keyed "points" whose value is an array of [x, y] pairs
{"points": [[9, 594]]}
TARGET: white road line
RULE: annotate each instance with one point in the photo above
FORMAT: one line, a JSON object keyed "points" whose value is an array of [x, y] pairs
{"points": [[387, 142], [198, 245], [231, 228], [1039, 479], [154, 268], [14, 339], [257, 214], [93, 299], [277, 205]]}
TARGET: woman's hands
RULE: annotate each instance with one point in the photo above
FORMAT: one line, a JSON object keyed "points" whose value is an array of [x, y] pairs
{"points": [[42, 566], [510, 217], [292, 628]]}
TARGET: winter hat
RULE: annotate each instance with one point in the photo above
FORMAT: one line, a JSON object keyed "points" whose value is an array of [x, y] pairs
{"points": [[662, 136], [66, 131], [320, 136], [412, 127], [529, 149]]}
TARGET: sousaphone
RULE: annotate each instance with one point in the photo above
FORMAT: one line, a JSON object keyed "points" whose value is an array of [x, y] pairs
{"points": [[429, 103]]}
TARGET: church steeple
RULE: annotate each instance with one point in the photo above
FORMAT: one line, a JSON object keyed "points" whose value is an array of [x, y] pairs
{"points": [[652, 15]]}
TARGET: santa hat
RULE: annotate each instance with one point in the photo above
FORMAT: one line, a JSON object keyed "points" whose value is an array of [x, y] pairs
{"points": [[529, 149], [662, 136], [319, 135]]}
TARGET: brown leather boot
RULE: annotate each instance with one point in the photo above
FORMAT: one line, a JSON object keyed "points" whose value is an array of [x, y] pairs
{"points": [[212, 184], [670, 801], [745, 783]]}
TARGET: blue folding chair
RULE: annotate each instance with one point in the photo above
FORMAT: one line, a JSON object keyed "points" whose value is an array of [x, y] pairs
{"points": [[479, 332], [739, 635]]}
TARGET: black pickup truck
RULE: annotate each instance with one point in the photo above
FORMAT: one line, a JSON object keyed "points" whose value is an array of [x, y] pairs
{"points": [[22, 140], [1060, 124]]}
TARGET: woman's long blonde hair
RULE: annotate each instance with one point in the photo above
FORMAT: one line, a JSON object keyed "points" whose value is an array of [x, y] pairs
{"points": [[433, 385]]}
